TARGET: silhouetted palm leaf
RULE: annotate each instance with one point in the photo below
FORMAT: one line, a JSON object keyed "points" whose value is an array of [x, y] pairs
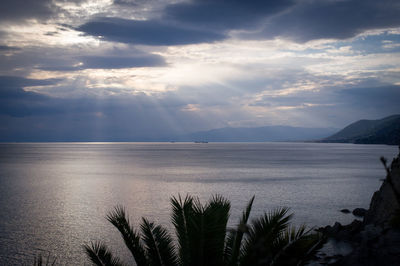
{"points": [[234, 239], [131, 238], [296, 246], [39, 261], [100, 255], [203, 240], [201, 229], [263, 235], [181, 213], [158, 243], [216, 215]]}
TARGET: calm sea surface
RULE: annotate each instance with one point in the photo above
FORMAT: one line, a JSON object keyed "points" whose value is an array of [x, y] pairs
{"points": [[54, 196]]}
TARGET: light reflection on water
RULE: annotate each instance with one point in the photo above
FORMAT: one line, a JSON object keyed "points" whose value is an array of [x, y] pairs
{"points": [[54, 196]]}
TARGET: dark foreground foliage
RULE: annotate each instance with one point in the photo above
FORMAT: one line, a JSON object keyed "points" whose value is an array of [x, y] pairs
{"points": [[203, 238], [39, 261]]}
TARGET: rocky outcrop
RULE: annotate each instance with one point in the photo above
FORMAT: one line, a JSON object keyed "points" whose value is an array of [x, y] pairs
{"points": [[385, 202], [360, 212], [376, 239]]}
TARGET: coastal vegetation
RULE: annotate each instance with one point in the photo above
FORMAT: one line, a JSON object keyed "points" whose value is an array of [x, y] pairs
{"points": [[203, 237]]}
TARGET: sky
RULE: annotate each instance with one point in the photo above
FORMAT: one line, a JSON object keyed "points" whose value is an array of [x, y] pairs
{"points": [[137, 70]]}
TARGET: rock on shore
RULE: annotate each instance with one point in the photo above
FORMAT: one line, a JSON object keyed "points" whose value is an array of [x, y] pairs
{"points": [[376, 239]]}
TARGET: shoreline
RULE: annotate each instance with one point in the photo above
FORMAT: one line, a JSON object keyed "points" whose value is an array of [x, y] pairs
{"points": [[374, 240]]}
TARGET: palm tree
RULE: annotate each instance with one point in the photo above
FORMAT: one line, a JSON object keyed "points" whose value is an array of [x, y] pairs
{"points": [[203, 238]]}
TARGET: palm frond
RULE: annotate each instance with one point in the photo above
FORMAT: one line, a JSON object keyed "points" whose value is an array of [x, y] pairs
{"points": [[159, 247], [262, 236], [234, 239], [216, 216], [312, 244], [39, 261], [196, 233], [202, 228], [100, 255], [297, 246], [288, 239], [181, 213], [131, 238], [203, 239]]}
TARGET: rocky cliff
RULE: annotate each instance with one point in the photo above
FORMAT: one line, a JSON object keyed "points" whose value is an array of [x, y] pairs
{"points": [[385, 203], [376, 239]]}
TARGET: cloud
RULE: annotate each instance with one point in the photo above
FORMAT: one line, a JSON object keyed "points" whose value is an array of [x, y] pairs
{"points": [[7, 82], [31, 116], [386, 98], [9, 48], [16, 102], [149, 32], [21, 11], [68, 59], [112, 62], [337, 105], [311, 20], [15, 10], [105, 62], [201, 21], [224, 15], [206, 21], [190, 22]]}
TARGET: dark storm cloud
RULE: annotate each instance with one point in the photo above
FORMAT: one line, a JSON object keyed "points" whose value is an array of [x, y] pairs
{"points": [[8, 48], [149, 32], [224, 15], [66, 60], [14, 101], [201, 21], [333, 19], [185, 23], [15, 10], [139, 3], [14, 82]]}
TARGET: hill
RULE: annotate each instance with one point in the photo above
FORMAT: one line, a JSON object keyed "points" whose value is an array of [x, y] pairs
{"points": [[382, 131]]}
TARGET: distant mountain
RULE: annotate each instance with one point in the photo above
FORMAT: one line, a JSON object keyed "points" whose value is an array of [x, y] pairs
{"points": [[382, 131], [259, 134]]}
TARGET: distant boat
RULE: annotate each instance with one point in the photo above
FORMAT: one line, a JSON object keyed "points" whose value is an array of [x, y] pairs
{"points": [[201, 142]]}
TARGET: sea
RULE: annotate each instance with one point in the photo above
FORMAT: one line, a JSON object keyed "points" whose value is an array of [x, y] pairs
{"points": [[54, 196]]}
